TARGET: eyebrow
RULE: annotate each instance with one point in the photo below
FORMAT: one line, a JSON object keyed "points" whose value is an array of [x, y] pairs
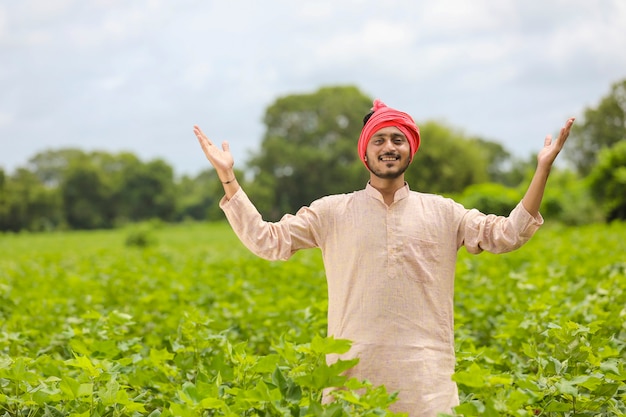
{"points": [[393, 135]]}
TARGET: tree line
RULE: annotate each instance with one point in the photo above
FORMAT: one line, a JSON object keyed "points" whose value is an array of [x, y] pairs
{"points": [[309, 150]]}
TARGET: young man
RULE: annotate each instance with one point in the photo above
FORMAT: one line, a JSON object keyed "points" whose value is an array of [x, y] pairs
{"points": [[389, 255]]}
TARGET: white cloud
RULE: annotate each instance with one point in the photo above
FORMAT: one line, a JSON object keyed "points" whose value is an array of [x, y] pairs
{"points": [[451, 18], [45, 10], [377, 40], [111, 83], [162, 66], [197, 75], [315, 11], [3, 23], [35, 38], [6, 119]]}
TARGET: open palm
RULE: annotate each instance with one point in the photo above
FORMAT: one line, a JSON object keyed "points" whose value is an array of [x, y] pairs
{"points": [[551, 148], [221, 159]]}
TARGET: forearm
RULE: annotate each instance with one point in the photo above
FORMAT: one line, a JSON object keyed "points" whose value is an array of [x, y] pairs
{"points": [[271, 241], [545, 159], [534, 193]]}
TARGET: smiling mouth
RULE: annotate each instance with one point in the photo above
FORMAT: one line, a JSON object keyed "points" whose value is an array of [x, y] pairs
{"points": [[389, 158]]}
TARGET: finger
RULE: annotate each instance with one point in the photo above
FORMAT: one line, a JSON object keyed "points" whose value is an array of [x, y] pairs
{"points": [[564, 133], [568, 125], [201, 136], [225, 146], [548, 140], [205, 146]]}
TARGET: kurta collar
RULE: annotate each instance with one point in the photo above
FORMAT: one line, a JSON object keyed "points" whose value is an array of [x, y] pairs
{"points": [[399, 195]]}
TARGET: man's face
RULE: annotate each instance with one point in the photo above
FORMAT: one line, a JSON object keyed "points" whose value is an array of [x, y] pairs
{"points": [[388, 153]]}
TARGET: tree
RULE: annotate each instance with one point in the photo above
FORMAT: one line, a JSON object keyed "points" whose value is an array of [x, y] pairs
{"points": [[447, 161], [69, 187], [86, 195], [490, 198], [309, 149], [50, 166], [608, 181], [25, 203], [197, 197], [502, 168], [600, 128], [145, 191]]}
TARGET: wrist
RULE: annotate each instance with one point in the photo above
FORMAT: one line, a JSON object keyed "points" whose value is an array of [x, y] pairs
{"points": [[543, 169], [227, 176]]}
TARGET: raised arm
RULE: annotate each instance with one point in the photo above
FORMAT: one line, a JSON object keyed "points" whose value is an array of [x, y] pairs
{"points": [[545, 159], [269, 240], [222, 161]]}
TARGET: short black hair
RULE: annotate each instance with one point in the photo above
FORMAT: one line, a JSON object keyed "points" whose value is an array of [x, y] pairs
{"points": [[367, 117]]}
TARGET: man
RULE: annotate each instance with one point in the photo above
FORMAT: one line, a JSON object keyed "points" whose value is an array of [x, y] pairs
{"points": [[389, 255]]}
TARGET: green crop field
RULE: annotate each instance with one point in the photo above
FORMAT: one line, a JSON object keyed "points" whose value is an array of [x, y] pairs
{"points": [[183, 321]]}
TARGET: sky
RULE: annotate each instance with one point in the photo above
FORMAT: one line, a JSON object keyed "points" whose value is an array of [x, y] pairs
{"points": [[118, 75]]}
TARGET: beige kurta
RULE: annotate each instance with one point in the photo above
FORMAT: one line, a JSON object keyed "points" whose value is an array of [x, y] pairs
{"points": [[390, 272]]}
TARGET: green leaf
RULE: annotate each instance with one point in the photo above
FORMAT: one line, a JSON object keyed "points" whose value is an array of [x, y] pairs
{"points": [[567, 387], [189, 394], [158, 356], [327, 376], [70, 387], [474, 377], [52, 412], [290, 391], [84, 363], [279, 379], [610, 366], [333, 410], [328, 345], [266, 364], [108, 394], [557, 406], [212, 403], [606, 390], [589, 382], [467, 409]]}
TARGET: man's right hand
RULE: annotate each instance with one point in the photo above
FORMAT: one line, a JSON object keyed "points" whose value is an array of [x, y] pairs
{"points": [[221, 159]]}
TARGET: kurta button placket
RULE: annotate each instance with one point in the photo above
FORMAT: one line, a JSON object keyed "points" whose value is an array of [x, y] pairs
{"points": [[389, 246], [393, 243]]}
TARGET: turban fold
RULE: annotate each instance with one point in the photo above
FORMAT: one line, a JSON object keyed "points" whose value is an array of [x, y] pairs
{"points": [[384, 116]]}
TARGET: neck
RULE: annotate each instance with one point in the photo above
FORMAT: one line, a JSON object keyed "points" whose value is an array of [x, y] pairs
{"points": [[387, 187]]}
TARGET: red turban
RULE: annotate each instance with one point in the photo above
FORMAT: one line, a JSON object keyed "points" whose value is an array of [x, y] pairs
{"points": [[384, 116]]}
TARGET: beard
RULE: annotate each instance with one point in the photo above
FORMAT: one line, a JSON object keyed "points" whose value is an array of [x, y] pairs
{"points": [[388, 175]]}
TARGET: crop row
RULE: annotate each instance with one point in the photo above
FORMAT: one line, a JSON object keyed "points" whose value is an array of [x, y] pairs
{"points": [[193, 325]]}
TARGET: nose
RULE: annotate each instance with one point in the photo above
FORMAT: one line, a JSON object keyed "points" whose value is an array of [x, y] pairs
{"points": [[389, 146]]}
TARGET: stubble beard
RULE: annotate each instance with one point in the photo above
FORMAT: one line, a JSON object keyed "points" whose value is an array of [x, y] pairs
{"points": [[389, 175]]}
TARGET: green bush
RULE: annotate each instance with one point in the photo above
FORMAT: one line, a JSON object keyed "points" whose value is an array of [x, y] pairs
{"points": [[568, 200], [490, 198], [608, 181]]}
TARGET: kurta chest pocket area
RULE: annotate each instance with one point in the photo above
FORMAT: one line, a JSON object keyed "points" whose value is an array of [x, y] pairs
{"points": [[420, 259]]}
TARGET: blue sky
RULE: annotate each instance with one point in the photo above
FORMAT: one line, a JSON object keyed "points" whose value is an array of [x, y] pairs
{"points": [[135, 76]]}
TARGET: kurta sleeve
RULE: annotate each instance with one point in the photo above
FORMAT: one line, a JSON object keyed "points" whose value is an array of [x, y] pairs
{"points": [[497, 234], [273, 240]]}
